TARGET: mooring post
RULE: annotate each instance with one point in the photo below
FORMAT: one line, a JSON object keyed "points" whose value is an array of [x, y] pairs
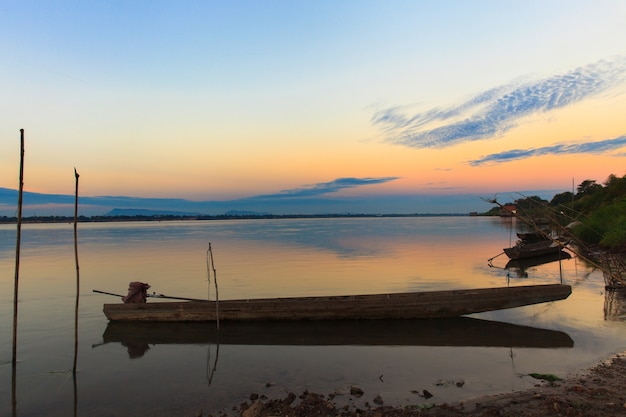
{"points": [[17, 247]]}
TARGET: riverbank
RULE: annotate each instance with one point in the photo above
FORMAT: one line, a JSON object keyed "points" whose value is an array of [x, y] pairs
{"points": [[596, 392]]}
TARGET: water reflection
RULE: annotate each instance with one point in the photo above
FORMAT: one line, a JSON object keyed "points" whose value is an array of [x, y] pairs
{"points": [[615, 304], [137, 337], [272, 259]]}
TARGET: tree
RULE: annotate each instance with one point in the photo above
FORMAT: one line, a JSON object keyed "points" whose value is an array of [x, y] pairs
{"points": [[562, 199], [530, 203], [588, 187], [615, 188]]}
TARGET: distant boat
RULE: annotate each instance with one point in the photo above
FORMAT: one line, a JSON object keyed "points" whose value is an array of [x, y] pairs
{"points": [[525, 263], [412, 305], [523, 250]]}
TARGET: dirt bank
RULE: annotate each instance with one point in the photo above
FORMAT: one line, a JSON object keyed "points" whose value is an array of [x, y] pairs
{"points": [[600, 391]]}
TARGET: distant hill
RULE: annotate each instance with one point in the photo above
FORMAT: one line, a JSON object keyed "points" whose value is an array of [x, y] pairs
{"points": [[245, 213], [120, 212], [145, 212]]}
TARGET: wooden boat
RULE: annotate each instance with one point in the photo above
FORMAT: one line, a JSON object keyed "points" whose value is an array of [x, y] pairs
{"points": [[138, 337], [534, 236], [525, 263], [529, 250], [412, 305]]}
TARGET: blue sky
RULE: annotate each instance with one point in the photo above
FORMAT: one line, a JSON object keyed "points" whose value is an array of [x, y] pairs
{"points": [[229, 100]]}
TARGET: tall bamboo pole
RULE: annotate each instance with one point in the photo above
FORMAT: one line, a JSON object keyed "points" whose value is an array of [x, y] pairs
{"points": [[17, 247], [17, 277], [77, 274]]}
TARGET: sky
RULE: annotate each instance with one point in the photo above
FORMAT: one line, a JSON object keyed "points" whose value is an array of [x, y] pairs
{"points": [[226, 100]]}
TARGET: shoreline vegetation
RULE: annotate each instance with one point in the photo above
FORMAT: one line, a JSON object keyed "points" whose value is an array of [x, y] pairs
{"points": [[595, 214]]}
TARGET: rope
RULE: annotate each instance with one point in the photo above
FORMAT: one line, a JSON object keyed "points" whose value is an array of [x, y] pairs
{"points": [[492, 258]]}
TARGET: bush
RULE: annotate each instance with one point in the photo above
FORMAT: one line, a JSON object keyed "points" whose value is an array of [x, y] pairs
{"points": [[605, 226]]}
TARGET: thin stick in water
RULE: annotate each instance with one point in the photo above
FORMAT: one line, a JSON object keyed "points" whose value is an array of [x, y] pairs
{"points": [[217, 297], [77, 274], [17, 247], [208, 273], [17, 276]]}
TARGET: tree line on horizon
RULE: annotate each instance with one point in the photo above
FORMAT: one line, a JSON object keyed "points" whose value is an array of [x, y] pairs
{"points": [[166, 217]]}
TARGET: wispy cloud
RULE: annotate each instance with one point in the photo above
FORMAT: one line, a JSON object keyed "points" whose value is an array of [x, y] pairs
{"points": [[588, 148], [327, 187], [494, 112]]}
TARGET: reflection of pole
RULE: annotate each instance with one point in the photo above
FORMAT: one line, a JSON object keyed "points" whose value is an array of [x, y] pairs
{"points": [[512, 356], [17, 272], [75, 395], [77, 275], [608, 301], [211, 373], [13, 393], [615, 304]]}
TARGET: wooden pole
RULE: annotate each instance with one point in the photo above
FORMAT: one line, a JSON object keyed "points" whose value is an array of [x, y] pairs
{"points": [[153, 296], [77, 274], [217, 296], [208, 273], [17, 276], [17, 247], [108, 293]]}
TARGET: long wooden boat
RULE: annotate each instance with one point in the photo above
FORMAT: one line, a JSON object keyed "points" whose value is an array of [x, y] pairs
{"points": [[412, 305], [138, 337]]}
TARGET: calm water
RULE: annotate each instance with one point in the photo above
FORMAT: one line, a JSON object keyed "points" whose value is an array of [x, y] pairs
{"points": [[181, 370]]}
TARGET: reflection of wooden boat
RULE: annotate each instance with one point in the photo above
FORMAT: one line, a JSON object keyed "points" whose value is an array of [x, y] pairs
{"points": [[525, 263], [461, 331], [528, 250], [432, 304]]}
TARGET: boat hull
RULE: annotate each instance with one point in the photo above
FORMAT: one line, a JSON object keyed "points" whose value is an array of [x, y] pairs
{"points": [[525, 263], [531, 250], [415, 305]]}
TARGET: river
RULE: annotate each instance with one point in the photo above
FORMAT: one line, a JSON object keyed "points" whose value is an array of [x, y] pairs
{"points": [[188, 369]]}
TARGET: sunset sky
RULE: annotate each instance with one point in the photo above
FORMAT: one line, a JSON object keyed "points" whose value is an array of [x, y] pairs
{"points": [[220, 100]]}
